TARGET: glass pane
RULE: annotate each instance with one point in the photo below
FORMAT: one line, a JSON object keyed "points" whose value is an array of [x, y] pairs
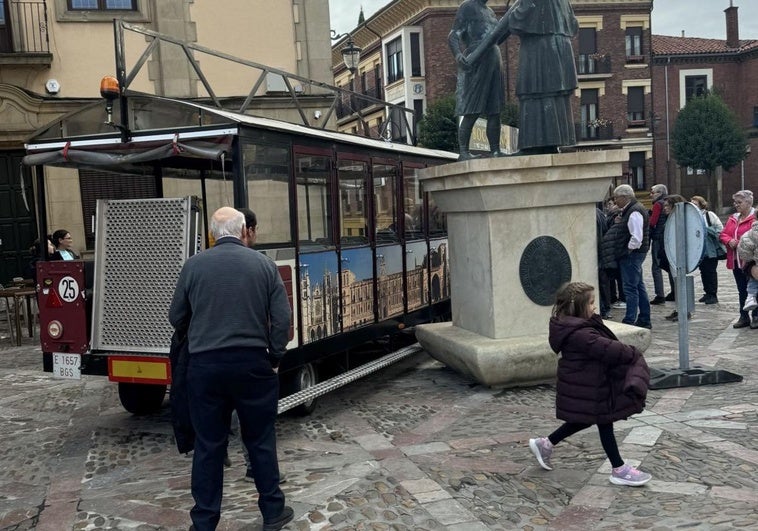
{"points": [[313, 199], [267, 173], [385, 204], [83, 4], [2, 12], [437, 219], [119, 4], [351, 175], [219, 190], [413, 205]]}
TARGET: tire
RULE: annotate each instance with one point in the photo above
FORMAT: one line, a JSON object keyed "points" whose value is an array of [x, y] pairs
{"points": [[303, 378], [141, 399]]}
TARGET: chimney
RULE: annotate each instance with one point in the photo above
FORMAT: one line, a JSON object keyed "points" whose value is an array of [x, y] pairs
{"points": [[732, 27]]}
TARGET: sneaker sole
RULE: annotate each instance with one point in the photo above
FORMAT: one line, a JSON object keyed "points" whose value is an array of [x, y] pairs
{"points": [[628, 482], [536, 451], [749, 308]]}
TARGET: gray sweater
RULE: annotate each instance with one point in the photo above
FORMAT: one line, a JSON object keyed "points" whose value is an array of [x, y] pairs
{"points": [[230, 296]]}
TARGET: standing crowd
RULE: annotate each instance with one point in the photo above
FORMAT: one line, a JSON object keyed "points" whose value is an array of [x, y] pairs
{"points": [[627, 231]]}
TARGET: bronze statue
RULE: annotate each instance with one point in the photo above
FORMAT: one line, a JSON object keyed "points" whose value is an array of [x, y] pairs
{"points": [[479, 89], [546, 73]]}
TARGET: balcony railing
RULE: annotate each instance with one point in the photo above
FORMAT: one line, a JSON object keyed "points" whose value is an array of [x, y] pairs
{"points": [[588, 132], [26, 29], [589, 64]]}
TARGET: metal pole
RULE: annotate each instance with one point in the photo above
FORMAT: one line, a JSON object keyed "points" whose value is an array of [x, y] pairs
{"points": [[681, 284]]}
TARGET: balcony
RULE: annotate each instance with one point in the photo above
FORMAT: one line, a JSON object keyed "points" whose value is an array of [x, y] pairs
{"points": [[24, 39], [596, 130], [590, 65]]}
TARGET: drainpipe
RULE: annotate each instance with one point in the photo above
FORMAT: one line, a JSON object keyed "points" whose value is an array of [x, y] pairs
{"points": [[668, 129]]}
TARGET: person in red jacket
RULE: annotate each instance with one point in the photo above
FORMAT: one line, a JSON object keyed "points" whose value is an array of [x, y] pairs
{"points": [[600, 380], [737, 225]]}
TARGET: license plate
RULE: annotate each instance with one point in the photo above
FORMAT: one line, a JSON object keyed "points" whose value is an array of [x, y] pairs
{"points": [[67, 365]]}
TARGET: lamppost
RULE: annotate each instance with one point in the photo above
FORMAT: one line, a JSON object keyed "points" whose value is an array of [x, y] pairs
{"points": [[351, 53]]}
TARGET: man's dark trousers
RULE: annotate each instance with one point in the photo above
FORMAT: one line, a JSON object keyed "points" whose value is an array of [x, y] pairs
{"points": [[220, 381]]}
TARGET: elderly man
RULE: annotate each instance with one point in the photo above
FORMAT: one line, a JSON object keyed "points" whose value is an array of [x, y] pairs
{"points": [[231, 301], [634, 241]]}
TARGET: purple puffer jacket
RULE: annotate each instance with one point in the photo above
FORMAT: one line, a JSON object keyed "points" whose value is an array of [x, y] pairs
{"points": [[595, 383]]}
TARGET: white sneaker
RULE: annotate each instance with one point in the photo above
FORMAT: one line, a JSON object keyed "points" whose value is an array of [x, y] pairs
{"points": [[750, 304], [619, 304]]}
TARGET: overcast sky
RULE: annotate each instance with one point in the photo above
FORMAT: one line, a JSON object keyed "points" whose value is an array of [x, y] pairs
{"points": [[698, 18]]}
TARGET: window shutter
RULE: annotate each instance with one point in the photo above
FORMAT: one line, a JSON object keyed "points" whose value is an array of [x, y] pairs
{"points": [[587, 41]]}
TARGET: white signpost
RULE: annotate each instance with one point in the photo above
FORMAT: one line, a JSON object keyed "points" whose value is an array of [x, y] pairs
{"points": [[684, 240]]}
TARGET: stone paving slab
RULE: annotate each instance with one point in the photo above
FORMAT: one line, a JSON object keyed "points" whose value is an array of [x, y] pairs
{"points": [[413, 447]]}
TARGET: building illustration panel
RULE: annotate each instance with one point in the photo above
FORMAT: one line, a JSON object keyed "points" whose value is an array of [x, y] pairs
{"points": [[357, 275], [319, 295], [389, 280], [439, 270], [417, 275]]}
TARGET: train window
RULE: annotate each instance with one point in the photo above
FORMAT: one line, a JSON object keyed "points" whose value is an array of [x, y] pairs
{"points": [[351, 175], [219, 190], [437, 219], [313, 199], [267, 173], [385, 203], [413, 203]]}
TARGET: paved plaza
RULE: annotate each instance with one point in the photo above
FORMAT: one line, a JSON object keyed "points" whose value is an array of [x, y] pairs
{"points": [[413, 447]]}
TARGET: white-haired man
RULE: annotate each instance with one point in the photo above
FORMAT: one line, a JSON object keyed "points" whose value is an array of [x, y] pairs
{"points": [[635, 242], [231, 301]]}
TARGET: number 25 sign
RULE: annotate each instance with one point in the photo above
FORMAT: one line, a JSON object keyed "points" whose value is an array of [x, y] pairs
{"points": [[68, 289]]}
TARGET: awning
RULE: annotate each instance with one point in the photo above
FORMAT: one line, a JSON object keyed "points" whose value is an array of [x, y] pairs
{"points": [[78, 157]]}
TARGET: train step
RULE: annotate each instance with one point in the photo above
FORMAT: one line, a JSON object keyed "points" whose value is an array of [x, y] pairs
{"points": [[327, 386]]}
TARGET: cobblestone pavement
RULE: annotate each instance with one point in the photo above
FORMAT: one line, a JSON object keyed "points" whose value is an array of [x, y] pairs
{"points": [[414, 447]]}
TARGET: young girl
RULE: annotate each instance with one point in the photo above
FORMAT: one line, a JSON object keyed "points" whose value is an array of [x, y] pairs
{"points": [[600, 380]]}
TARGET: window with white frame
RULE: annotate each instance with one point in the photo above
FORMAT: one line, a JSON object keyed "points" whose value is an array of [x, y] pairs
{"points": [[635, 106], [394, 52], [634, 44]]}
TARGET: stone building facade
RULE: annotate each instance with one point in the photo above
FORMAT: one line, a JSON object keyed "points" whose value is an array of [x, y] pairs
{"points": [[683, 68], [53, 54], [406, 60]]}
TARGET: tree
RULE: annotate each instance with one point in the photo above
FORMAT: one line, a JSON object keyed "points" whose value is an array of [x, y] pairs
{"points": [[361, 17], [706, 135], [438, 129]]}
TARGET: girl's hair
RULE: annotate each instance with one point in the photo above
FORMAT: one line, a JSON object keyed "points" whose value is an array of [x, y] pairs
{"points": [[572, 299]]}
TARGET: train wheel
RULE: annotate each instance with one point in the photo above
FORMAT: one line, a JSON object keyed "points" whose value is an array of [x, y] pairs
{"points": [[303, 378], [141, 399]]}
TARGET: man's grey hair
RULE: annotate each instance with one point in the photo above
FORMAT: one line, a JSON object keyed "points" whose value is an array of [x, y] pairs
{"points": [[624, 190], [227, 222], [661, 188], [744, 195]]}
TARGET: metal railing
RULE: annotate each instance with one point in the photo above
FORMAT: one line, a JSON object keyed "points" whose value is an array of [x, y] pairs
{"points": [[588, 64], [342, 102], [28, 27], [586, 131]]}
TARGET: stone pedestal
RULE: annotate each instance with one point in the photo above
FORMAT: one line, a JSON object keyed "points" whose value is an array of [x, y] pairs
{"points": [[495, 208]]}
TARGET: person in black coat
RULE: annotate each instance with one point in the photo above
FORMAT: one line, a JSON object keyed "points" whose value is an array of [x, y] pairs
{"points": [[600, 380]]}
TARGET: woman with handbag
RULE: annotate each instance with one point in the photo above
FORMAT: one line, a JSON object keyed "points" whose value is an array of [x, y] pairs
{"points": [[713, 252], [737, 225]]}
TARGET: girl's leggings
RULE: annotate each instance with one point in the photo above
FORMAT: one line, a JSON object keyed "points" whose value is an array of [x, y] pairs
{"points": [[607, 439]]}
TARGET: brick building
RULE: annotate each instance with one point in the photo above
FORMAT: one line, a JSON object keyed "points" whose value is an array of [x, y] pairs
{"points": [[406, 60], [684, 67]]}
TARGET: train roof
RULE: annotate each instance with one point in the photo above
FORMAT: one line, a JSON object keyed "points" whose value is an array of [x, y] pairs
{"points": [[166, 127]]}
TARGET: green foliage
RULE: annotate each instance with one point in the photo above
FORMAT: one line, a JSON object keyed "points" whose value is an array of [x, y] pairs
{"points": [[438, 129], [361, 17], [707, 135]]}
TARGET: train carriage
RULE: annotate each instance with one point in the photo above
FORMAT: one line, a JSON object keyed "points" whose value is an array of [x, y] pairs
{"points": [[361, 248]]}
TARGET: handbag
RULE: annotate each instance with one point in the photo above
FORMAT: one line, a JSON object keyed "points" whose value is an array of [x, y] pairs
{"points": [[713, 246]]}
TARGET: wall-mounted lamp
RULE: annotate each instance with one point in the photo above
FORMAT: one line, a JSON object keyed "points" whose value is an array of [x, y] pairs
{"points": [[351, 53]]}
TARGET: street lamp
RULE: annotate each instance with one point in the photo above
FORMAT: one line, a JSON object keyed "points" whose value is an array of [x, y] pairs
{"points": [[351, 53]]}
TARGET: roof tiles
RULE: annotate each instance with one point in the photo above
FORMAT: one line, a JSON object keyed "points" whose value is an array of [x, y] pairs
{"points": [[667, 45]]}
